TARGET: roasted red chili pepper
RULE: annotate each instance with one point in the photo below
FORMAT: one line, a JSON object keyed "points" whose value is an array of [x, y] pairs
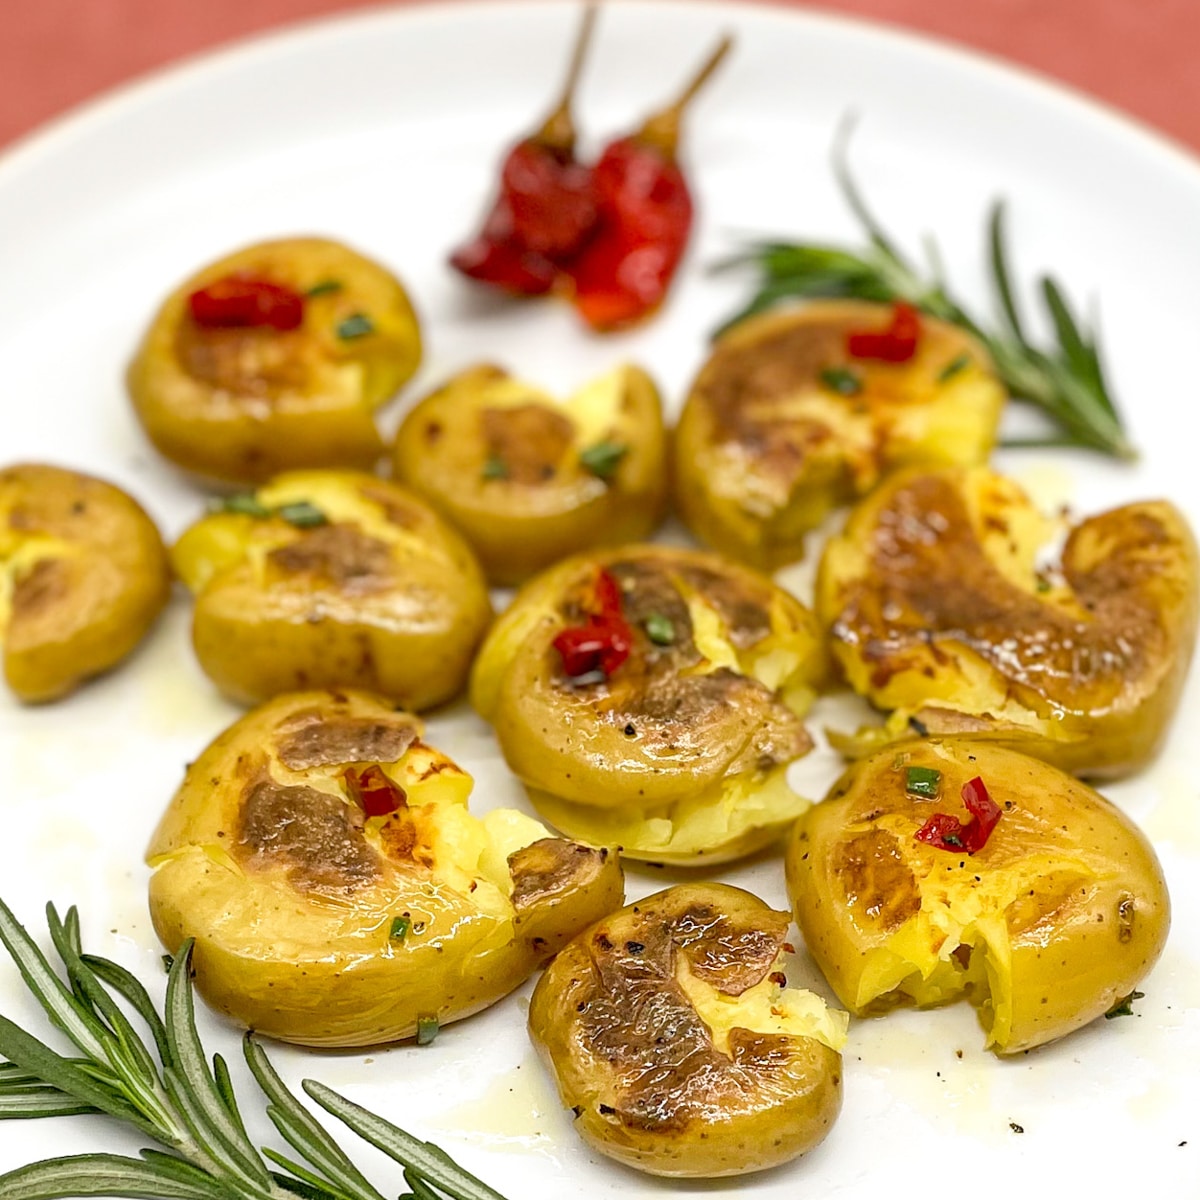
{"points": [[544, 208], [241, 301], [895, 344], [945, 832], [603, 642], [643, 218], [373, 791]]}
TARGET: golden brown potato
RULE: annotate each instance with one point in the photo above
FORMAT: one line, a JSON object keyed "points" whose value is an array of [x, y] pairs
{"points": [[340, 894], [529, 479], [83, 575], [332, 578], [1054, 920], [243, 401], [680, 752], [942, 606], [672, 1034], [783, 425]]}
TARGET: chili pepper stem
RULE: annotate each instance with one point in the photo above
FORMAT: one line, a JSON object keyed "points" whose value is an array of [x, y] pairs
{"points": [[558, 131], [661, 129]]}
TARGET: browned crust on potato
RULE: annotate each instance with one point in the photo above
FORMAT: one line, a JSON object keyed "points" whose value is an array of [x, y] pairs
{"points": [[316, 837], [312, 738], [632, 1012], [531, 441], [550, 867], [338, 553], [931, 581]]}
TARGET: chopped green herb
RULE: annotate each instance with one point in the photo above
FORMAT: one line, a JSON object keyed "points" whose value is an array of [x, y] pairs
{"points": [[602, 458], [841, 380], [246, 503], [495, 468], [923, 781], [302, 514], [324, 288], [355, 326], [659, 629], [953, 367], [168, 961], [1124, 1006], [400, 929], [427, 1028], [1043, 584]]}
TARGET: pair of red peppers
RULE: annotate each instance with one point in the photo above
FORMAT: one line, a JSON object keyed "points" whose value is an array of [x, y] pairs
{"points": [[611, 235]]}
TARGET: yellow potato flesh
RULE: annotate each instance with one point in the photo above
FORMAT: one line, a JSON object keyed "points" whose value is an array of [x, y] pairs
{"points": [[245, 404], [83, 576], [767, 447], [943, 605], [671, 1032], [506, 464], [1052, 922], [383, 595], [296, 925], [725, 821], [682, 753]]}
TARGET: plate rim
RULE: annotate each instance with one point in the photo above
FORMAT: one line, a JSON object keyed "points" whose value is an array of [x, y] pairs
{"points": [[56, 133]]}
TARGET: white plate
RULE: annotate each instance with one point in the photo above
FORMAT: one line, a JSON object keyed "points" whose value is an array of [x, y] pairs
{"points": [[385, 129]]}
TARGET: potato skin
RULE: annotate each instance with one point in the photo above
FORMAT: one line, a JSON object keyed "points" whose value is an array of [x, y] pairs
{"points": [[383, 596], [244, 404], [500, 460], [291, 891], [623, 1019], [89, 576], [938, 607], [1065, 908], [709, 721], [766, 449]]}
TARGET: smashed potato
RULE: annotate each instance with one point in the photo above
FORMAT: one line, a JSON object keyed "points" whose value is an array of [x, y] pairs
{"points": [[1051, 923], [302, 340], [83, 575], [679, 752], [332, 578], [942, 605], [529, 479], [782, 425], [672, 1034], [340, 894]]}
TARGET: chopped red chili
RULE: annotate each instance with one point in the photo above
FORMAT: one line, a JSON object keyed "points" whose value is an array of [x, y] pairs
{"points": [[241, 301], [945, 832], [895, 344], [603, 642], [373, 791]]}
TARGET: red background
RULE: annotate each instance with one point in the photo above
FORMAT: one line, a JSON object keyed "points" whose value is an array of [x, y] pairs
{"points": [[1138, 55]]}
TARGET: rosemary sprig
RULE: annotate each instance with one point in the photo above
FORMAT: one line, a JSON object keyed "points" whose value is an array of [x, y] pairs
{"points": [[1067, 382], [172, 1094]]}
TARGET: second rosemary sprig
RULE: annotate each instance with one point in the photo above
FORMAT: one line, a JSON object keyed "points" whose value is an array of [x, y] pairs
{"points": [[1067, 382]]}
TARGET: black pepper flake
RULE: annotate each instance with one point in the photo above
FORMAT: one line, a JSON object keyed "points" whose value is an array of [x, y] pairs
{"points": [[635, 947], [1015, 1127]]}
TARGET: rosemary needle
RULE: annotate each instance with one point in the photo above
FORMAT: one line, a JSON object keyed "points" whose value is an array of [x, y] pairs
{"points": [[170, 1092], [1067, 382]]}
